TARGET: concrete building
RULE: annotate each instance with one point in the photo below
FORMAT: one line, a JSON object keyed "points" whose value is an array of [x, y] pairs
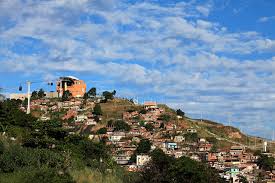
{"points": [[142, 159], [150, 105], [76, 86], [20, 96]]}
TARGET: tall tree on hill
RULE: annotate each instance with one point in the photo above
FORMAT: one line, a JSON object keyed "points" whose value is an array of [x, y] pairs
{"points": [[180, 112], [66, 95], [41, 93], [34, 95], [165, 168], [92, 92], [109, 95], [144, 146], [97, 110]]}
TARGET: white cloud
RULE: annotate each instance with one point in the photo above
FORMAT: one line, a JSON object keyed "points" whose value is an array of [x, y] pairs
{"points": [[172, 51], [266, 19]]}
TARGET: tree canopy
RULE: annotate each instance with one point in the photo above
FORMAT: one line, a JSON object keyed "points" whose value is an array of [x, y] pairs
{"points": [[97, 110], [180, 112], [66, 95], [164, 168], [109, 95]]}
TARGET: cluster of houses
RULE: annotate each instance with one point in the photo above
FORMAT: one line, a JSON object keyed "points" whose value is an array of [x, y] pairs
{"points": [[166, 135], [73, 113]]}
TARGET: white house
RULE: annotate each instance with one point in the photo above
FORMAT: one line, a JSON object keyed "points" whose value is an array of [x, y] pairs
{"points": [[143, 160], [81, 118], [117, 136]]}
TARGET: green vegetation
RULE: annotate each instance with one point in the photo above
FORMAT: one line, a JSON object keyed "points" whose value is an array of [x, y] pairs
{"points": [[38, 94], [113, 109], [121, 125], [66, 95], [265, 163], [165, 117], [164, 168], [45, 152], [97, 110], [144, 146], [149, 127], [180, 112], [109, 95], [92, 92], [102, 131], [191, 137]]}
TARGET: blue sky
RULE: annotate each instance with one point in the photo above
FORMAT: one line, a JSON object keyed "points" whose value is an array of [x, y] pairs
{"points": [[214, 57]]}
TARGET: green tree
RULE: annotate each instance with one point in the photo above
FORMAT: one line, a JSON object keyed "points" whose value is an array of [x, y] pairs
{"points": [[164, 168], [97, 109], [41, 93], [108, 95], [144, 146], [102, 131], [242, 179], [180, 112], [85, 97], [191, 137], [34, 95], [92, 92], [142, 123], [143, 111], [66, 95], [266, 163], [165, 117], [158, 168], [149, 127], [121, 125]]}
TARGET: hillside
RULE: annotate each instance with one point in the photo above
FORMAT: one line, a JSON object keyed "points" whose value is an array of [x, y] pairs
{"points": [[32, 150], [226, 135]]}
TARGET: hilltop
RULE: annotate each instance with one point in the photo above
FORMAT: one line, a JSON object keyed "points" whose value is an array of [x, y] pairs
{"points": [[226, 135]]}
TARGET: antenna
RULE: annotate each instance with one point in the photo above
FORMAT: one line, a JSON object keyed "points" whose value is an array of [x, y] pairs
{"points": [[265, 145], [29, 97], [228, 116], [273, 135]]}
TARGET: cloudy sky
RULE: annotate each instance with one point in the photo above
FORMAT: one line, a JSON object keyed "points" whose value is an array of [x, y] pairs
{"points": [[212, 57]]}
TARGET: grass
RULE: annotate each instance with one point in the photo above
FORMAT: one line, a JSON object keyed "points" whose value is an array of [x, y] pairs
{"points": [[117, 175], [115, 108]]}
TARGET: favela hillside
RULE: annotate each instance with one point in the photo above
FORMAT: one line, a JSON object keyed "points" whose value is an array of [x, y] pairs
{"points": [[74, 135]]}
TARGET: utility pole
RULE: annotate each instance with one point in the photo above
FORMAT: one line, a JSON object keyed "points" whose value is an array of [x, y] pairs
{"points": [[29, 97], [228, 116]]}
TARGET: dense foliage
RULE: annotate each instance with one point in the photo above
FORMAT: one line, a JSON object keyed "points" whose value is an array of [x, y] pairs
{"points": [[266, 163], [36, 151], [97, 110], [92, 92], [119, 125], [45, 152], [180, 112], [38, 94], [164, 168], [66, 95], [109, 95]]}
